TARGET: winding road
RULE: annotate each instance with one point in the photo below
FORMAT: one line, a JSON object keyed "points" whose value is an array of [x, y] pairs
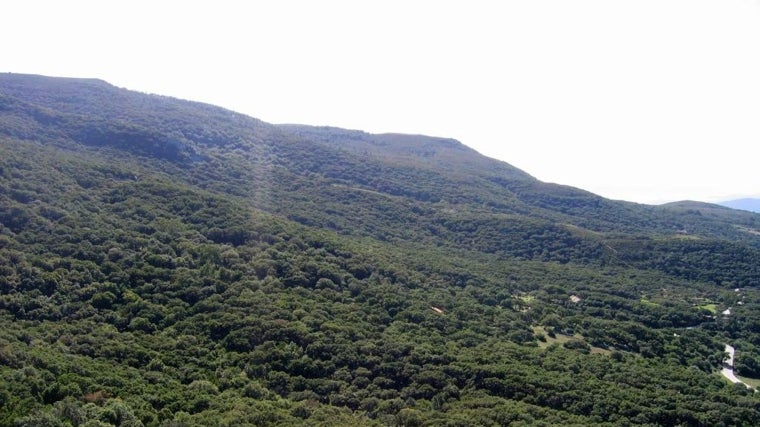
{"points": [[728, 367]]}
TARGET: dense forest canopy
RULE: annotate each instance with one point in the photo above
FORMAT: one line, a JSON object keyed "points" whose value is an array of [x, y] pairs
{"points": [[170, 263]]}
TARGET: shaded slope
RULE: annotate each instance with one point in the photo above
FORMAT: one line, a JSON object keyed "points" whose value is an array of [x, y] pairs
{"points": [[421, 168], [390, 187]]}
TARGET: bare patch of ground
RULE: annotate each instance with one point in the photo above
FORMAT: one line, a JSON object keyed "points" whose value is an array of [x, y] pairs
{"points": [[561, 339]]}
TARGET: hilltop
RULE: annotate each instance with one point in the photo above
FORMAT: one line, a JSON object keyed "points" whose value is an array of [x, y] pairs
{"points": [[167, 262]]}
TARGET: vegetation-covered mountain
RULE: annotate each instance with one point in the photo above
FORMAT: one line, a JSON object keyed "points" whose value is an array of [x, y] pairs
{"points": [[170, 263]]}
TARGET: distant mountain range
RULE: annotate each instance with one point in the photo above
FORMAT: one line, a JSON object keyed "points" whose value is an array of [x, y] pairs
{"points": [[171, 263], [752, 205]]}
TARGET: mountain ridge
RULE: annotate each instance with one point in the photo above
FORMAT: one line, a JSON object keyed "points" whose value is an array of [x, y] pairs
{"points": [[431, 179], [747, 204], [312, 132]]}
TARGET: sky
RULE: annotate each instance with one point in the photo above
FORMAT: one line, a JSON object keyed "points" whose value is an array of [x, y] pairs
{"points": [[642, 100]]}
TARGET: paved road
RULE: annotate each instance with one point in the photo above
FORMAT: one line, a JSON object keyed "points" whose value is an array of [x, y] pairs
{"points": [[728, 367]]}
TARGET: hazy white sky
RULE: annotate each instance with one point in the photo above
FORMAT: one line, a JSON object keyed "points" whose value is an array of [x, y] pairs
{"points": [[642, 100]]}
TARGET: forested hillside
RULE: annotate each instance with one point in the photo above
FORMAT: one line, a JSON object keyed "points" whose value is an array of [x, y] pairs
{"points": [[170, 263]]}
